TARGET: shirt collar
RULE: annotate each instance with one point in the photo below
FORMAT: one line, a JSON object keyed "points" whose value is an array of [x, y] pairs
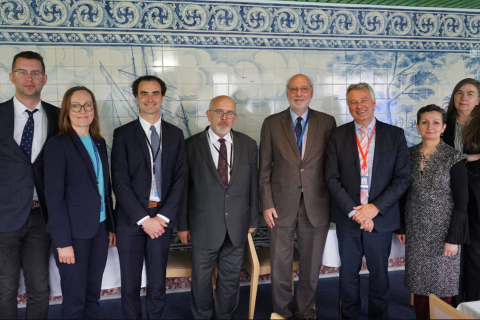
{"points": [[146, 125], [20, 107], [214, 137], [294, 115], [369, 127]]}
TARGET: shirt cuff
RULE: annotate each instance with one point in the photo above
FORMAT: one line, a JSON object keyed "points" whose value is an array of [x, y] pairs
{"points": [[143, 219], [352, 213], [164, 218]]}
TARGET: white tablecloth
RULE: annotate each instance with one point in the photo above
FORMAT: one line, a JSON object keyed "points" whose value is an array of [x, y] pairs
{"points": [[471, 309], [111, 277]]}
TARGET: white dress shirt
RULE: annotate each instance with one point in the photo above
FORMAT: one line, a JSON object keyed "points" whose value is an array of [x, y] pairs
{"points": [[153, 196], [39, 129], [213, 142]]}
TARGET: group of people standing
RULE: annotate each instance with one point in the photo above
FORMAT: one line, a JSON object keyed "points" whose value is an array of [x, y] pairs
{"points": [[56, 196]]}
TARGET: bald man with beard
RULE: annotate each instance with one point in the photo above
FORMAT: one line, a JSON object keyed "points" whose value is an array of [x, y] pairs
{"points": [[219, 208]]}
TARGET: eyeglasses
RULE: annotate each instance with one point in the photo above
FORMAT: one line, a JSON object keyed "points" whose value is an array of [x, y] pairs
{"points": [[37, 75], [220, 113], [302, 89], [78, 107]]}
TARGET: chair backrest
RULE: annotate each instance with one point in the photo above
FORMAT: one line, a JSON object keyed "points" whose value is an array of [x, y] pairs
{"points": [[439, 309], [250, 256]]}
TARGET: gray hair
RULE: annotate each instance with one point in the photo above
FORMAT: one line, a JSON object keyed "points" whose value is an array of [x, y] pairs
{"points": [[300, 74], [361, 86]]}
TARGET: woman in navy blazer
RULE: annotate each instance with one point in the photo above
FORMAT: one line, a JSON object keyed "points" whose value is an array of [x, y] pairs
{"points": [[78, 197]]}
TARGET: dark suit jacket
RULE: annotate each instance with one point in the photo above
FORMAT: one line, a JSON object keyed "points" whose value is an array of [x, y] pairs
{"points": [[390, 174], [208, 209], [283, 173], [473, 167], [132, 174], [71, 190], [18, 175]]}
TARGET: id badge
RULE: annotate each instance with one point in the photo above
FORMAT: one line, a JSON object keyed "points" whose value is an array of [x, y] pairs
{"points": [[364, 182], [154, 187]]}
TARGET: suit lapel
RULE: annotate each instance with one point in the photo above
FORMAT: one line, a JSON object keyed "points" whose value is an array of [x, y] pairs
{"points": [[288, 128], [7, 122], [86, 157], [204, 146], [353, 144], [51, 118], [140, 134], [312, 131], [379, 141], [237, 150], [165, 144], [104, 159]]}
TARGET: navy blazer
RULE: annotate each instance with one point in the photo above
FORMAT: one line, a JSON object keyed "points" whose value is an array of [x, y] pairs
{"points": [[18, 175], [132, 173], [71, 190], [391, 174]]}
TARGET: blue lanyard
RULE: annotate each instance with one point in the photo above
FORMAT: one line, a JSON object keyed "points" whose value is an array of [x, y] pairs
{"points": [[299, 141], [97, 167]]}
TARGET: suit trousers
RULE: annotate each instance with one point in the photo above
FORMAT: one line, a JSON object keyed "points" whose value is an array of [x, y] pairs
{"points": [[227, 292], [353, 244], [311, 242], [133, 247], [81, 282], [29, 249]]}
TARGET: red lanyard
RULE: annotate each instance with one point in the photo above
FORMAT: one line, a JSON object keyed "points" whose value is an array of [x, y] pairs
{"points": [[365, 154]]}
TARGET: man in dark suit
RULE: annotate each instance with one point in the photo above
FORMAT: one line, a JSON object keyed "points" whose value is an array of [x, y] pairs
{"points": [[219, 209], [23, 213], [293, 195], [148, 174], [368, 170]]}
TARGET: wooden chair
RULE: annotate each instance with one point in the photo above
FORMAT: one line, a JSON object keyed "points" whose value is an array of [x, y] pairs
{"points": [[257, 263], [276, 316], [439, 309]]}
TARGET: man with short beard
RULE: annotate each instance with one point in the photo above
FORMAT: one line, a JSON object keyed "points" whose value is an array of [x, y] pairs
{"points": [[219, 208], [293, 195]]}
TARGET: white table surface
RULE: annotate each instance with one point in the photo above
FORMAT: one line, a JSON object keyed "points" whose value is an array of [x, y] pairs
{"points": [[471, 309]]}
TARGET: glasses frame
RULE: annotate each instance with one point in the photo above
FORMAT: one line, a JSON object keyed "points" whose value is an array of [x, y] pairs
{"points": [[216, 113], [82, 106], [301, 89], [35, 74]]}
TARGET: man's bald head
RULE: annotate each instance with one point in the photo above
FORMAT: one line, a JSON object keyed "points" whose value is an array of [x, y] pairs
{"points": [[221, 115]]}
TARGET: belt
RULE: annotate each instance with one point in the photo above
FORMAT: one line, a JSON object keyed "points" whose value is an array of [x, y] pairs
{"points": [[152, 204], [35, 204]]}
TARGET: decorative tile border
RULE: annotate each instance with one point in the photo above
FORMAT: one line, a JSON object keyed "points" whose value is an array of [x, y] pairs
{"points": [[236, 25]]}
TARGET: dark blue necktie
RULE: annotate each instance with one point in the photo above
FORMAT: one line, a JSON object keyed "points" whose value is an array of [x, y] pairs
{"points": [[27, 136], [298, 133]]}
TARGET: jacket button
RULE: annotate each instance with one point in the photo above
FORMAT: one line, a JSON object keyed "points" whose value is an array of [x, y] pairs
{"points": [[302, 169], [226, 195], [226, 213]]}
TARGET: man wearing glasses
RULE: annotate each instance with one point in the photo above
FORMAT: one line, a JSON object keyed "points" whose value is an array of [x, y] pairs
{"points": [[26, 123], [293, 195], [219, 209]]}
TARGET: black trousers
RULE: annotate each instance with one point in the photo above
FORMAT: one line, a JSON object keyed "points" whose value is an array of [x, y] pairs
{"points": [[227, 292], [353, 244], [133, 247], [81, 282], [29, 249]]}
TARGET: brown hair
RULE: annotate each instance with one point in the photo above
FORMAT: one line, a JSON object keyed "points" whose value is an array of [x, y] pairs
{"points": [[28, 55], [148, 78], [470, 131], [65, 125]]}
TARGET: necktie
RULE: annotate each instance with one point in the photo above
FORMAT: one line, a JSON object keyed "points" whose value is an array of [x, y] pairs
{"points": [[27, 135], [363, 167], [157, 165], [222, 162], [298, 133]]}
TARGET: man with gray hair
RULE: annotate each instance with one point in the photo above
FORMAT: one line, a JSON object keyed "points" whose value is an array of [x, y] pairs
{"points": [[367, 171], [293, 195]]}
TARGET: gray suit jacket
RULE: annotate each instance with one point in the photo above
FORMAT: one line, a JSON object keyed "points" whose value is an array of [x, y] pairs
{"points": [[209, 210]]}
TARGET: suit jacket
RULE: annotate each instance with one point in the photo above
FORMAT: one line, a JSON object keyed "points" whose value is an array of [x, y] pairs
{"points": [[390, 174], [209, 210], [283, 173], [473, 167], [18, 175], [132, 174], [71, 190]]}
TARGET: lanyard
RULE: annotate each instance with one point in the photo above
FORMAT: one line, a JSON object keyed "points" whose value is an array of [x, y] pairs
{"points": [[299, 141], [97, 162], [154, 156], [221, 155], [365, 154]]}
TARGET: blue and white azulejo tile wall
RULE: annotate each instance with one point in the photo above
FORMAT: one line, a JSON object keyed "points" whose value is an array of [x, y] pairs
{"points": [[247, 50]]}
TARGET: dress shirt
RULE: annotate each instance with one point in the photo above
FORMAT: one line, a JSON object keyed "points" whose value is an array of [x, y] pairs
{"points": [[146, 127], [371, 152], [294, 122], [215, 143], [39, 129]]}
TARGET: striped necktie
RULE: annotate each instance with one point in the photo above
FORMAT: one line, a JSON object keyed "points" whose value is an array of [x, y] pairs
{"points": [[363, 167]]}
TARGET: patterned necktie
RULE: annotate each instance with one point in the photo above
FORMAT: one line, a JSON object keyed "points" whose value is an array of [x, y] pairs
{"points": [[298, 133], [222, 162], [363, 168], [155, 139], [27, 135]]}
